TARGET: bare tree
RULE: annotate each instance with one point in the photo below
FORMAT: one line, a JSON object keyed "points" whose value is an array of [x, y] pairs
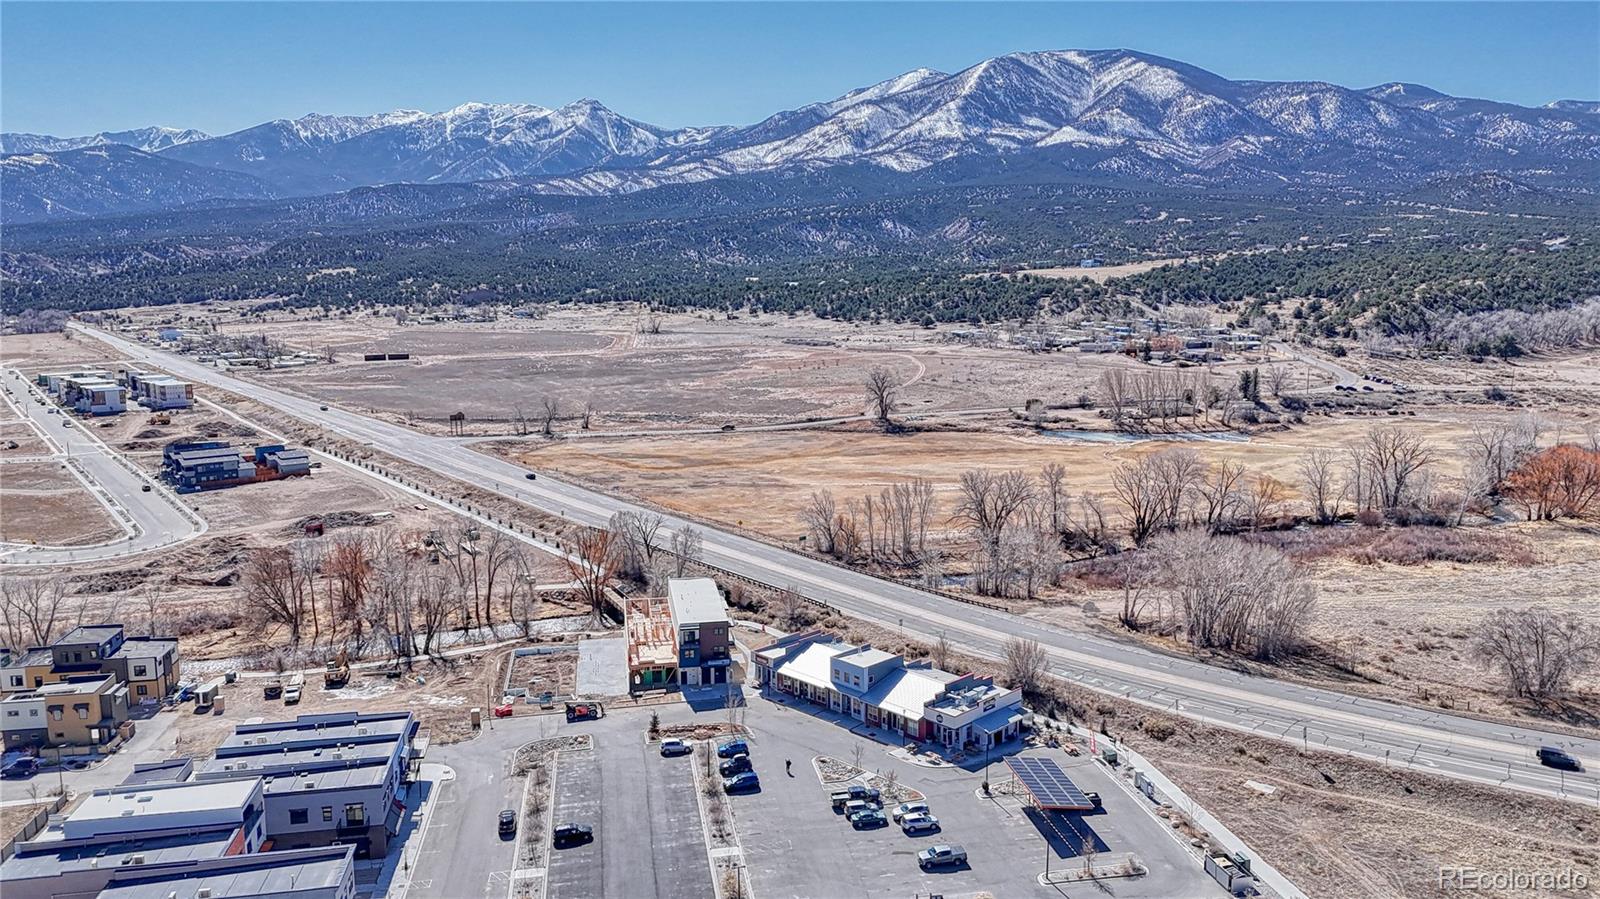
{"points": [[1323, 488], [688, 546], [1537, 650], [1025, 664], [1232, 595], [988, 503], [1277, 378], [273, 589], [550, 410], [790, 607], [882, 394], [1053, 479], [940, 654], [1220, 492], [592, 565], [820, 516], [1391, 460], [1493, 450], [1153, 490], [31, 608]]}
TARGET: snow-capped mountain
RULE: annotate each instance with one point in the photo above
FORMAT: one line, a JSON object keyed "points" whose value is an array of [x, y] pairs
{"points": [[147, 139], [1118, 111], [1117, 115], [111, 178]]}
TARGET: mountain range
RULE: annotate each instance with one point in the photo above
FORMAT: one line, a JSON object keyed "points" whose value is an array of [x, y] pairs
{"points": [[1116, 116]]}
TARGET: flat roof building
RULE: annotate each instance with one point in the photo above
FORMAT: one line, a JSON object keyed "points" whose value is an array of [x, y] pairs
{"points": [[700, 617]]}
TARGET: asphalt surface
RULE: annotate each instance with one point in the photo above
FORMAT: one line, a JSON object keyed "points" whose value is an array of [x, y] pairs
{"points": [[150, 520], [1453, 746]]}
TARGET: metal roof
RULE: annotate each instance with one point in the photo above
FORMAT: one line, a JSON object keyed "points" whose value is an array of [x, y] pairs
{"points": [[1047, 784]]}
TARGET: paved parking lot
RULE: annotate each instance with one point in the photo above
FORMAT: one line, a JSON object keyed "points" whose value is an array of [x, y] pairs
{"points": [[646, 819], [797, 846], [578, 871], [649, 840]]}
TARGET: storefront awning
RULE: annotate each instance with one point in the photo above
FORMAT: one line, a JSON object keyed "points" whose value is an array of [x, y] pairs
{"points": [[998, 720]]}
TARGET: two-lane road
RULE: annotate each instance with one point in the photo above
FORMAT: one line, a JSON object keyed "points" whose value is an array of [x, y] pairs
{"points": [[1453, 746], [151, 519]]}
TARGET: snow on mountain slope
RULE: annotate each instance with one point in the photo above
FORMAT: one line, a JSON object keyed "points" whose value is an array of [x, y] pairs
{"points": [[148, 139], [1121, 114]]}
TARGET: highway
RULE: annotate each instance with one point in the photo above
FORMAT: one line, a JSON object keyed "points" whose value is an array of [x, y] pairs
{"points": [[1394, 734], [150, 520]]}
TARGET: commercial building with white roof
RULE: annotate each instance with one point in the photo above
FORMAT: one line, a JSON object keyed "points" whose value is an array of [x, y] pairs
{"points": [[700, 617], [881, 689]]}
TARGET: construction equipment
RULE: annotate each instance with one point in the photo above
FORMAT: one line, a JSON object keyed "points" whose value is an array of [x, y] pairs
{"points": [[337, 673], [579, 711]]}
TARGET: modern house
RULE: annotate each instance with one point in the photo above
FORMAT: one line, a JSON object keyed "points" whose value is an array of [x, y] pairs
{"points": [[881, 689], [700, 620], [334, 778], [147, 831], [155, 391], [211, 464], [148, 666], [85, 710], [95, 396]]}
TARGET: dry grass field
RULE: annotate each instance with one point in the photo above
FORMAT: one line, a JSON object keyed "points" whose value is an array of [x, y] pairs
{"points": [[700, 370], [44, 503], [39, 352], [760, 481]]}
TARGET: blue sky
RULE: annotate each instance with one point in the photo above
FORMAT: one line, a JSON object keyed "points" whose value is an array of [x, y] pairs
{"points": [[72, 68]]}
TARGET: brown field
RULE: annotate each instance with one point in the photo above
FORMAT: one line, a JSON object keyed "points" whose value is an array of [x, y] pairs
{"points": [[700, 370], [32, 353], [760, 481], [44, 503]]}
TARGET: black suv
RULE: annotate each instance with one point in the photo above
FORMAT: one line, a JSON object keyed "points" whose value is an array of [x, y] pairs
{"points": [[508, 822], [571, 834], [1552, 757]]}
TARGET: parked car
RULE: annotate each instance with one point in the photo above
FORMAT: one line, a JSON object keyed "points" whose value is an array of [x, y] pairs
{"points": [[291, 696], [1552, 757], [740, 783], [145, 488], [860, 805], [909, 808], [732, 748], [570, 834], [941, 856], [855, 792], [508, 822], [675, 747], [736, 765], [17, 768], [867, 818], [505, 711], [919, 822]]}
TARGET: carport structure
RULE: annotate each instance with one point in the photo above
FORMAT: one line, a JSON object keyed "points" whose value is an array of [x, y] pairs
{"points": [[1048, 787]]}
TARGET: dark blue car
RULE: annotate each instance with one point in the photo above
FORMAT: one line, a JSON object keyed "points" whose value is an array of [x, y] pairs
{"points": [[747, 782], [732, 748]]}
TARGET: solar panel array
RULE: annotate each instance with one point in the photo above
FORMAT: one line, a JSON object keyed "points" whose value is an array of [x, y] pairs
{"points": [[1050, 787]]}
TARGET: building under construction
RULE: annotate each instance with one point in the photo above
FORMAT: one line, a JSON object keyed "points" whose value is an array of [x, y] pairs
{"points": [[652, 643]]}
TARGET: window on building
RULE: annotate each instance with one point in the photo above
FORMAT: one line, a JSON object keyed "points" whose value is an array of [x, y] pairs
{"points": [[82, 710], [141, 671], [299, 815], [327, 813], [16, 680], [12, 713], [143, 690], [77, 657], [355, 814], [55, 713]]}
